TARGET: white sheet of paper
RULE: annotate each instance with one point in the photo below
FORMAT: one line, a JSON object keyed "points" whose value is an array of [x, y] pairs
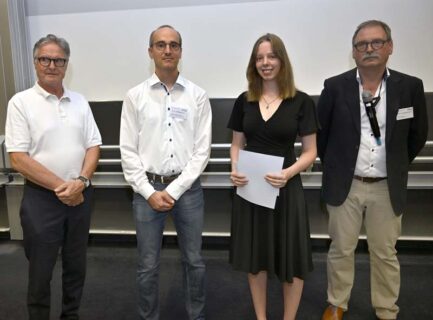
{"points": [[255, 166]]}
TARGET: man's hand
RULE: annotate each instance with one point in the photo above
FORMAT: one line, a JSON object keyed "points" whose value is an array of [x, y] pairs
{"points": [[71, 192], [161, 201], [75, 202]]}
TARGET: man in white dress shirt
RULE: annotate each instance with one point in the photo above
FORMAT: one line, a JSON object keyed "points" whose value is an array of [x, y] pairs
{"points": [[165, 141], [366, 164]]}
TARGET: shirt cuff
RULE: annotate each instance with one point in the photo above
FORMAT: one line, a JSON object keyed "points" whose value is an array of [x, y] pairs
{"points": [[147, 190], [175, 190]]}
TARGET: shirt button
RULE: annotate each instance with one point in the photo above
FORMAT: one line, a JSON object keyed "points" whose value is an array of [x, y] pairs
{"points": [[371, 165], [372, 150], [171, 156], [168, 109], [170, 140], [172, 171], [169, 124]]}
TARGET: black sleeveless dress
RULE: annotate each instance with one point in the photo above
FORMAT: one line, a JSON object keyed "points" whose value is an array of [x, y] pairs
{"points": [[274, 240]]}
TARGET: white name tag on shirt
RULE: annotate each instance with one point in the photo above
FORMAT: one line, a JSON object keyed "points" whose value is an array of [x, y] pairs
{"points": [[405, 113], [178, 113]]}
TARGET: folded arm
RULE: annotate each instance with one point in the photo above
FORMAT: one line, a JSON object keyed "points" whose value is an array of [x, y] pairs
{"points": [[34, 171], [71, 192]]}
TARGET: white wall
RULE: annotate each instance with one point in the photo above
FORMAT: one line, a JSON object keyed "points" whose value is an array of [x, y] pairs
{"points": [[109, 48]]}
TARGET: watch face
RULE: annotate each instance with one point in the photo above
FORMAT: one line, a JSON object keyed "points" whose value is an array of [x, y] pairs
{"points": [[85, 181]]}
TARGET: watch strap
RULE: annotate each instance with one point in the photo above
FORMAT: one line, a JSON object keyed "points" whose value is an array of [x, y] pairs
{"points": [[85, 180]]}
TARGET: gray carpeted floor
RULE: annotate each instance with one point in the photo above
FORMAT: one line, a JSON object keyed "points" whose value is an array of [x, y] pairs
{"points": [[110, 287]]}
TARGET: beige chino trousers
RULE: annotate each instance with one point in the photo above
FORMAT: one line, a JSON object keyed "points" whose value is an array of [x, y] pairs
{"points": [[368, 204]]}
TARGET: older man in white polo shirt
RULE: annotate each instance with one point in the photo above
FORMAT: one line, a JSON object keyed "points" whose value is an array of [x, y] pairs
{"points": [[53, 141]]}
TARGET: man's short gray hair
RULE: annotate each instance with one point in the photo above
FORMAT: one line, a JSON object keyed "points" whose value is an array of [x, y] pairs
{"points": [[373, 23], [51, 38]]}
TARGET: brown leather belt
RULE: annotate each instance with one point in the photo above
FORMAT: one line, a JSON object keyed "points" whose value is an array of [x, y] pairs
{"points": [[369, 179], [156, 178]]}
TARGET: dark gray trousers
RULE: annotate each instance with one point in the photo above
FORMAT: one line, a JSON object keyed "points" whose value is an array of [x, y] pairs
{"points": [[49, 225]]}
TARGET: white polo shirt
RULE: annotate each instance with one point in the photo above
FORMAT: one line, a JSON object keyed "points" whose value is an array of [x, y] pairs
{"points": [[55, 132]]}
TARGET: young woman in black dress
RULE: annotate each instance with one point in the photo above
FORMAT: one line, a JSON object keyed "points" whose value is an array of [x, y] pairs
{"points": [[267, 119]]}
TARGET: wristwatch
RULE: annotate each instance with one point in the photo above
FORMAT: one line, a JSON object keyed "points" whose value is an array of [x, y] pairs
{"points": [[84, 180]]}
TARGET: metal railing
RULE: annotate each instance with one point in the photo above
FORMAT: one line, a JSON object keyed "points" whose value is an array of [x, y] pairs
{"points": [[226, 161], [212, 179]]}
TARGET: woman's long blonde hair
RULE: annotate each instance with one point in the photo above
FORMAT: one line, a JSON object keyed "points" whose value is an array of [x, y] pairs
{"points": [[285, 80]]}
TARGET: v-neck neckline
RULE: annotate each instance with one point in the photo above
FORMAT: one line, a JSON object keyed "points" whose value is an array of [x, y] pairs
{"points": [[272, 115]]}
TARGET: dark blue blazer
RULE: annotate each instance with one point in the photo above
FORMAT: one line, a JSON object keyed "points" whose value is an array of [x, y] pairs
{"points": [[340, 134]]}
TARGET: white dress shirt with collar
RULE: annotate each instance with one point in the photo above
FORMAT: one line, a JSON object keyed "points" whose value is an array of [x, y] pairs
{"points": [[371, 160], [55, 132], [165, 132]]}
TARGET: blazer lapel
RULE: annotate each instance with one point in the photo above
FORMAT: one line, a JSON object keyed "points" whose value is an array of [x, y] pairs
{"points": [[352, 98], [392, 102]]}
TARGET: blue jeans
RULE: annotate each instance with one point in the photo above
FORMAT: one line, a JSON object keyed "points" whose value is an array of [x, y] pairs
{"points": [[187, 215]]}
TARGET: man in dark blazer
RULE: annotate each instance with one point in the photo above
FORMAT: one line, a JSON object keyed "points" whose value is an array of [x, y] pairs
{"points": [[365, 165]]}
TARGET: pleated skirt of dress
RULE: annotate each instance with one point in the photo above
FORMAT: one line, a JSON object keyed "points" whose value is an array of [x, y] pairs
{"points": [[276, 241]]}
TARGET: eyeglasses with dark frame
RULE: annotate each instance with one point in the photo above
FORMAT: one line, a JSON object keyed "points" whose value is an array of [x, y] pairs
{"points": [[46, 61], [375, 44], [161, 45]]}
